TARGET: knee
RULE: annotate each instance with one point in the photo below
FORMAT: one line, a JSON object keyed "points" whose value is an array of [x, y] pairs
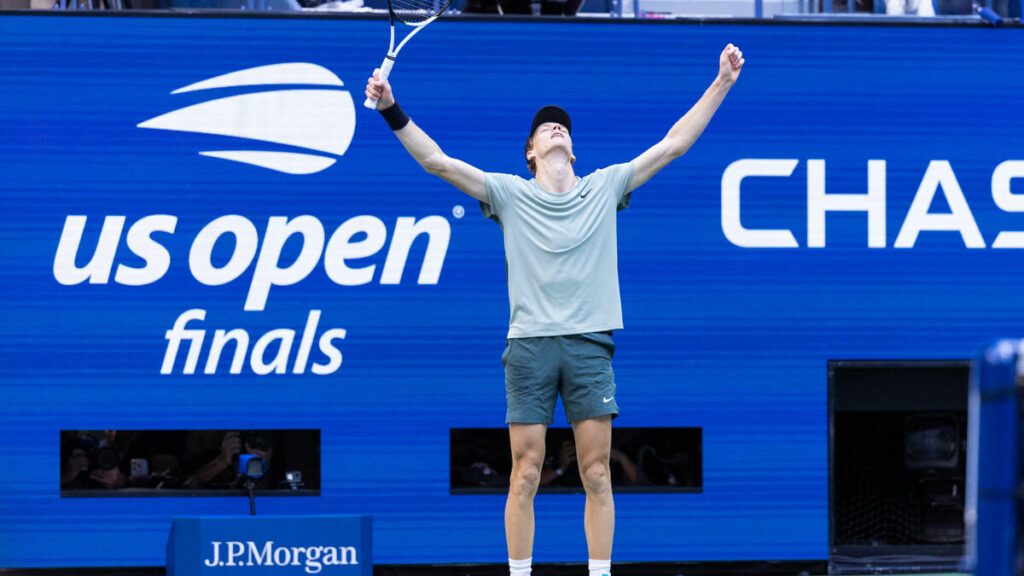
{"points": [[596, 477], [525, 478]]}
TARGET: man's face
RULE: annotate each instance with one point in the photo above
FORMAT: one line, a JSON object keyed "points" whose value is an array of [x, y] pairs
{"points": [[549, 136]]}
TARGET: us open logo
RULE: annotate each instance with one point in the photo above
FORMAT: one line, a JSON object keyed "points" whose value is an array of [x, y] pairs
{"points": [[318, 121]]}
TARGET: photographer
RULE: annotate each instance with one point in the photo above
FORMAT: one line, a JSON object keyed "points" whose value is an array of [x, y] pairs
{"points": [[213, 455], [92, 462]]}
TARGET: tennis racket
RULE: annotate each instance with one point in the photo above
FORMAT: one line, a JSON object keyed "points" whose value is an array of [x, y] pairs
{"points": [[415, 13]]}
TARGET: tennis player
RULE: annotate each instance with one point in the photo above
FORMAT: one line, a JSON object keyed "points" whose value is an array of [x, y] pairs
{"points": [[560, 250]]}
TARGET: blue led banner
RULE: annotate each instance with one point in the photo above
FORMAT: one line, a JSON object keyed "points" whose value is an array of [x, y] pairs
{"points": [[203, 230]]}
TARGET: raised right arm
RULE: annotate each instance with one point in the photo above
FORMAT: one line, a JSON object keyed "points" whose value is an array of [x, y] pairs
{"points": [[424, 150]]}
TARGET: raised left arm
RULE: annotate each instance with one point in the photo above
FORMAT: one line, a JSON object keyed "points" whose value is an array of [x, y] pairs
{"points": [[688, 128]]}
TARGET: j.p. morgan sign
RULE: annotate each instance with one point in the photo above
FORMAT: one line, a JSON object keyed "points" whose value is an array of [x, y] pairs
{"points": [[270, 546], [246, 554]]}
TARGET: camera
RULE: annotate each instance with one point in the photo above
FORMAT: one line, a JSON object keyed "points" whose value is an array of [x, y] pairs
{"points": [[101, 457], [293, 478]]}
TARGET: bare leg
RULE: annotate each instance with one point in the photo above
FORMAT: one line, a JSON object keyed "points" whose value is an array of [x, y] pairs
{"points": [[593, 445], [527, 459]]}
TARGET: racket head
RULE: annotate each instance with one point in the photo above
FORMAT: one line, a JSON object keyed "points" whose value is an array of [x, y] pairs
{"points": [[415, 12]]}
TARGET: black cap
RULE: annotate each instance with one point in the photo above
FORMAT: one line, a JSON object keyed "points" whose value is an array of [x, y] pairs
{"points": [[551, 114]]}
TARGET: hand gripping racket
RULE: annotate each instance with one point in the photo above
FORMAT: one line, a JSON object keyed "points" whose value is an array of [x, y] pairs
{"points": [[415, 13]]}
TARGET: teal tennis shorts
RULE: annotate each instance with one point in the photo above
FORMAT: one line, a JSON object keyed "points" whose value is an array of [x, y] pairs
{"points": [[578, 367]]}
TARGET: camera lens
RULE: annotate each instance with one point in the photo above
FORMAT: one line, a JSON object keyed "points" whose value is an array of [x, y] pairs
{"points": [[107, 458]]}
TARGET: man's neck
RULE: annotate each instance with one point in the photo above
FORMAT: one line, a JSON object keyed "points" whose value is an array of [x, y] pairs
{"points": [[556, 176]]}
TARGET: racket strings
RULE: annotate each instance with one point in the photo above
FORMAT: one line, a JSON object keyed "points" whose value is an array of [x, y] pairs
{"points": [[416, 11]]}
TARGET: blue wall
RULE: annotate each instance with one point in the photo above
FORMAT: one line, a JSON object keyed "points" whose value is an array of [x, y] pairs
{"points": [[732, 339]]}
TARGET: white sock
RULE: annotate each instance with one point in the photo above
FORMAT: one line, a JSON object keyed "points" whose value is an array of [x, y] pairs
{"points": [[520, 567], [600, 567]]}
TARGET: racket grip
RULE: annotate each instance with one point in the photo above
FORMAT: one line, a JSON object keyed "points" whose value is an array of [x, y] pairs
{"points": [[385, 71]]}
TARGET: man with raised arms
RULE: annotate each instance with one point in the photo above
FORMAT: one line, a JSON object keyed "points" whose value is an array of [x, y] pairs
{"points": [[560, 250]]}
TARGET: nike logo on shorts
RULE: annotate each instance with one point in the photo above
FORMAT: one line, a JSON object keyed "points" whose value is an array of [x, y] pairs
{"points": [[607, 400]]}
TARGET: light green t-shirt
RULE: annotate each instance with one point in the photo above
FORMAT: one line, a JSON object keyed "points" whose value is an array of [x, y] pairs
{"points": [[561, 251]]}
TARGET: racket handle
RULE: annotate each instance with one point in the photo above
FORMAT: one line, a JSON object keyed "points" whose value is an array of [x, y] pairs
{"points": [[385, 71]]}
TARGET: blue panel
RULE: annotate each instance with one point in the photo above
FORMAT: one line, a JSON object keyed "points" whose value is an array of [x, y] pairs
{"points": [[732, 339], [993, 469]]}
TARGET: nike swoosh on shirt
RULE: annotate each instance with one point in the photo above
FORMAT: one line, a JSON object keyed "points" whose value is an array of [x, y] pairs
{"points": [[584, 194], [607, 400]]}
